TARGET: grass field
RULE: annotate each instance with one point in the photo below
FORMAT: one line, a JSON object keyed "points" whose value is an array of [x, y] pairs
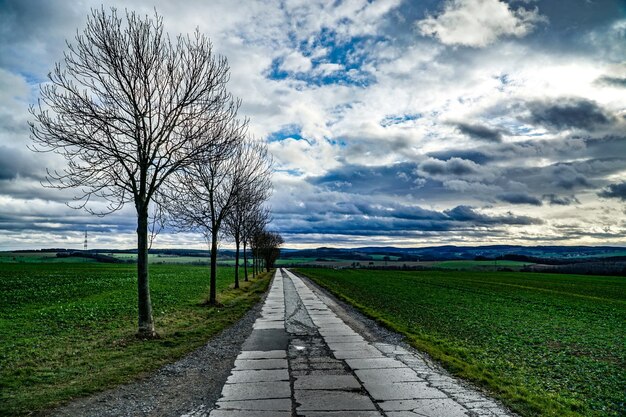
{"points": [[546, 344], [479, 265], [162, 259], [68, 329], [38, 257]]}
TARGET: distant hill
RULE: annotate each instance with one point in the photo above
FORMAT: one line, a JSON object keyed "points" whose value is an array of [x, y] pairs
{"points": [[545, 254]]}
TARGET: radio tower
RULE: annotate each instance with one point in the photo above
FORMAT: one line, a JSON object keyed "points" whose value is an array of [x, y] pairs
{"points": [[85, 243]]}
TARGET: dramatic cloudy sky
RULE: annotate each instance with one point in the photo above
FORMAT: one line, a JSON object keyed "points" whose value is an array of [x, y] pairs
{"points": [[392, 122]]}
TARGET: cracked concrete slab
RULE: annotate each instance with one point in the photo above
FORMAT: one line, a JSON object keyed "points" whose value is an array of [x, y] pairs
{"points": [[265, 375], [327, 382]]}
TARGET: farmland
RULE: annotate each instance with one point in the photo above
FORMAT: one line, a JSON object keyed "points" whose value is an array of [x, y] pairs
{"points": [[67, 329], [546, 344]]}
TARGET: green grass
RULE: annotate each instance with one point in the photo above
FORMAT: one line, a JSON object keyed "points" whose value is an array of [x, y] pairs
{"points": [[290, 261], [39, 257], [163, 259], [490, 265], [546, 344], [67, 330]]}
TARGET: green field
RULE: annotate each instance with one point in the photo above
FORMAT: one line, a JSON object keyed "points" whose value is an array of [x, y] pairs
{"points": [[479, 265], [67, 330], [162, 259], [291, 261], [546, 344], [38, 257]]}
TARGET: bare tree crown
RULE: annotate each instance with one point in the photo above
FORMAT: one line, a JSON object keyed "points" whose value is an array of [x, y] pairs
{"points": [[127, 107]]}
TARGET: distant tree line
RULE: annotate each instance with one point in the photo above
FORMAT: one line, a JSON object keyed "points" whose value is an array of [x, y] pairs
{"points": [[144, 119]]}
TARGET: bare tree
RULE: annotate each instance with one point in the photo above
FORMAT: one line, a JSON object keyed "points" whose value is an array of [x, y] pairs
{"points": [[266, 248], [256, 217], [251, 188], [254, 224], [127, 107], [203, 194], [270, 248]]}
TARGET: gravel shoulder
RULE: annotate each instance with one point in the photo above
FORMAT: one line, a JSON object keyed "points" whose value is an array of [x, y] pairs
{"points": [[175, 389]]}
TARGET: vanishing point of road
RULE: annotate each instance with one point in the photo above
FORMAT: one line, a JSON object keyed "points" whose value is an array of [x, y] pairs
{"points": [[301, 359]]}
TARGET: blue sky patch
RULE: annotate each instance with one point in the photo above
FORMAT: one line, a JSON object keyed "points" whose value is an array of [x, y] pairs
{"points": [[292, 131], [396, 119]]}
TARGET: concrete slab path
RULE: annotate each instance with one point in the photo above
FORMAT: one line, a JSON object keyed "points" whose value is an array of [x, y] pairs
{"points": [[303, 360]]}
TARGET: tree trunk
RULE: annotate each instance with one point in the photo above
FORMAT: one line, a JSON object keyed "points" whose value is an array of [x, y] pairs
{"points": [[256, 266], [245, 261], [212, 282], [237, 263], [146, 323]]}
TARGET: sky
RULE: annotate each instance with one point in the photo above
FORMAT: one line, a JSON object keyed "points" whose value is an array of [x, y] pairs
{"points": [[404, 123]]}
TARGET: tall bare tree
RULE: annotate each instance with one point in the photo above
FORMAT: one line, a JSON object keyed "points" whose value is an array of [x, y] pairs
{"points": [[127, 107], [251, 188]]}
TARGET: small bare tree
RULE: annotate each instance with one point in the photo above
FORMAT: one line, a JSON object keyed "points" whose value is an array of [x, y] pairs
{"points": [[269, 244], [252, 186], [256, 217], [203, 194], [255, 221], [127, 107]]}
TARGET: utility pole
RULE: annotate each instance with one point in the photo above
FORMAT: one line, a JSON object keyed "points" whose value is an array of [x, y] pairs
{"points": [[85, 243]]}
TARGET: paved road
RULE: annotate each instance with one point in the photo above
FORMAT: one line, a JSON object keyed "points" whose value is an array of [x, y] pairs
{"points": [[303, 360]]}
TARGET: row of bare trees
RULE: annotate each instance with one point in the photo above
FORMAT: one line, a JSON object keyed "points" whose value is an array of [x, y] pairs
{"points": [[222, 196], [144, 119]]}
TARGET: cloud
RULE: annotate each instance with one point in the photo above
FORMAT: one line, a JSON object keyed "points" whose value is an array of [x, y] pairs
{"points": [[480, 132], [567, 113], [296, 62], [479, 157], [362, 218], [469, 214], [612, 81], [614, 191], [14, 163], [453, 166], [520, 198], [556, 200], [367, 180], [379, 135], [478, 23], [568, 177]]}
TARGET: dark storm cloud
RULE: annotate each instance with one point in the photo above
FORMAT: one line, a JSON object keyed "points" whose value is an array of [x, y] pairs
{"points": [[520, 198], [52, 222], [478, 157], [393, 219], [28, 25], [392, 179], [568, 112], [556, 200], [469, 214], [14, 163], [614, 191], [480, 132], [605, 147], [613, 81], [571, 23], [453, 166], [570, 176]]}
